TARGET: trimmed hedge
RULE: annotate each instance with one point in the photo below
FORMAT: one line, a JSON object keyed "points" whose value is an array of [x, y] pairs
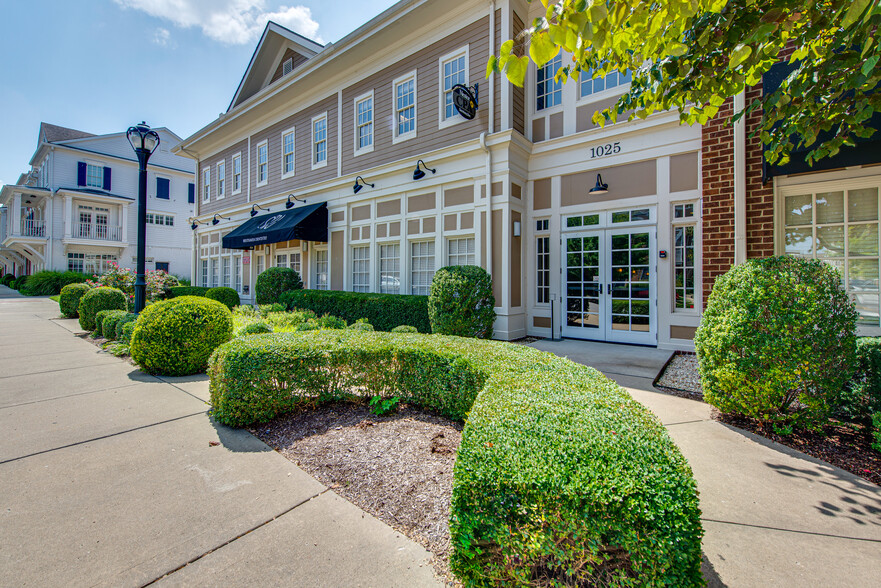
{"points": [[176, 291], [383, 311], [111, 321], [227, 296], [255, 329], [561, 477], [122, 322], [176, 337], [98, 299], [18, 283], [404, 329], [862, 397], [461, 302], [125, 336], [50, 283], [274, 282], [777, 341], [70, 299], [7, 279], [101, 317]]}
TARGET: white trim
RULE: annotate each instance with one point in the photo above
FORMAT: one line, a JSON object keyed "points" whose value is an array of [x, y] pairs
{"points": [[442, 121], [323, 163], [221, 180], [397, 138], [358, 99], [263, 143], [232, 175], [290, 131]]}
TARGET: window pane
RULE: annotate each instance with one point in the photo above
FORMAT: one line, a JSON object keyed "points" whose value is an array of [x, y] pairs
{"points": [[798, 241], [798, 210], [830, 207], [862, 205], [830, 241], [863, 239]]}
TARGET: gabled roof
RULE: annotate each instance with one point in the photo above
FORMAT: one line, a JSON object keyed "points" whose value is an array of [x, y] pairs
{"points": [[53, 133], [273, 42]]}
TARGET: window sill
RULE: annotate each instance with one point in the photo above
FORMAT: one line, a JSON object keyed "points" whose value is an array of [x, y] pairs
{"points": [[451, 121], [401, 138], [263, 183], [363, 151], [319, 165], [291, 174]]}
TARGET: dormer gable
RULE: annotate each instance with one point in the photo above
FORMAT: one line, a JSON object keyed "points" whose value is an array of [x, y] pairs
{"points": [[279, 52]]}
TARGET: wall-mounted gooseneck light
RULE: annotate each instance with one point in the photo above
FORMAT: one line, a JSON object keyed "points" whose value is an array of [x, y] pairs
{"points": [[418, 174], [255, 208], [216, 221], [360, 183], [195, 223], [290, 204], [600, 187]]}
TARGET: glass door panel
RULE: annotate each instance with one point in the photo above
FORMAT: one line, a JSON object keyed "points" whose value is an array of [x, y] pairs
{"points": [[583, 286], [631, 300]]}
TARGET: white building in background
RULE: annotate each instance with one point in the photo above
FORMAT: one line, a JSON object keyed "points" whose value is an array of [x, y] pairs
{"points": [[76, 209]]}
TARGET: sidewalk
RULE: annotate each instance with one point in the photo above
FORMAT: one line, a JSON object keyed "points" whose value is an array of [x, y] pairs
{"points": [[108, 478], [772, 516]]}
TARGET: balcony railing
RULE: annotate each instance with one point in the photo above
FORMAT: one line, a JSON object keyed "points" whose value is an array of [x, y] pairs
{"points": [[33, 228], [97, 231]]}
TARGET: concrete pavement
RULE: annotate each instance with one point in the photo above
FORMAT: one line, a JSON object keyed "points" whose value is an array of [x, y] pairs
{"points": [[110, 477], [772, 516]]}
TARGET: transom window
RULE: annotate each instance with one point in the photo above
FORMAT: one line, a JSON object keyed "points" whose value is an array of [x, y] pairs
{"points": [[364, 123], [461, 251], [361, 269], [390, 268], [287, 150], [611, 80], [454, 72], [221, 179], [262, 162], [405, 107], [319, 141], [94, 176], [236, 173], [165, 220], [421, 266], [588, 220], [548, 92], [543, 224], [683, 210], [841, 228], [631, 216]]}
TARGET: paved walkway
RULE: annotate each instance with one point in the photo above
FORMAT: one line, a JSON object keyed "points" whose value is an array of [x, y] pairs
{"points": [[772, 516], [108, 478]]}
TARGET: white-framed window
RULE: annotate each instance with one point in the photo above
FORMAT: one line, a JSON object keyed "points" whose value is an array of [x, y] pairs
{"points": [[237, 272], [237, 173], [319, 141], [281, 260], [548, 92], [460, 251], [542, 262], [259, 264], [262, 163], [361, 268], [287, 153], [421, 266], [685, 250], [163, 220], [364, 124], [839, 224], [404, 96], [204, 273], [288, 66], [390, 268], [94, 176], [321, 269], [225, 272], [221, 179], [215, 272], [589, 88], [206, 185], [295, 262], [89, 263], [453, 70]]}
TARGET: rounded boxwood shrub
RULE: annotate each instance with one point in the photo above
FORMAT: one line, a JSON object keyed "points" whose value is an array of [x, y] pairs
{"points": [[255, 329], [227, 296], [777, 341], [461, 302], [122, 322], [7, 279], [274, 282], [70, 299], [405, 329], [100, 317], [19, 282], [125, 336], [98, 299], [358, 326], [110, 322], [176, 337]]}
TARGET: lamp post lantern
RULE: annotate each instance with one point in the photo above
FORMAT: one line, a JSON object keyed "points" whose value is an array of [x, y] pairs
{"points": [[144, 141]]}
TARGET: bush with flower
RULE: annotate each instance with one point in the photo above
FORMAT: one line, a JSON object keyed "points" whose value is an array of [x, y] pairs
{"points": [[123, 278]]}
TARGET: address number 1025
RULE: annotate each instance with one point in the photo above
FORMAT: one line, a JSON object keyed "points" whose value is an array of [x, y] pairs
{"points": [[607, 149]]}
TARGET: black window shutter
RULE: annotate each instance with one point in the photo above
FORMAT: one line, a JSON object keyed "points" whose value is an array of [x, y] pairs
{"points": [[107, 178], [191, 193], [81, 173]]}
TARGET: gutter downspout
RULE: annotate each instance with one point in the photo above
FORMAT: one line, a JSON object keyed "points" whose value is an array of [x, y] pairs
{"points": [[492, 81], [489, 207], [739, 181]]}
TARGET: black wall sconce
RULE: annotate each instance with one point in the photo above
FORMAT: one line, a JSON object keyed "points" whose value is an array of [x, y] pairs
{"points": [[255, 208], [290, 204], [418, 174], [357, 187], [215, 221], [600, 188], [195, 223]]}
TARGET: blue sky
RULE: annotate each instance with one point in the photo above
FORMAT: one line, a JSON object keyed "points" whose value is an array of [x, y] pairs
{"points": [[102, 65]]}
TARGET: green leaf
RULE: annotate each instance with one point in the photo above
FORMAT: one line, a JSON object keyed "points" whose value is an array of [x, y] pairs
{"points": [[854, 12], [869, 65], [542, 49], [515, 69], [492, 66], [598, 12], [740, 54], [677, 49]]}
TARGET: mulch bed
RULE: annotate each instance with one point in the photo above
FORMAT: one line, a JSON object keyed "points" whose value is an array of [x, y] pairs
{"points": [[398, 468]]}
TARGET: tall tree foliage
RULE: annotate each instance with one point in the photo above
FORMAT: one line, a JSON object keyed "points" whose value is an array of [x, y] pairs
{"points": [[691, 55]]}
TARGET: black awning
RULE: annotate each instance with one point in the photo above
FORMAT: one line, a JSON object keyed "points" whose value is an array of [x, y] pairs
{"points": [[308, 223]]}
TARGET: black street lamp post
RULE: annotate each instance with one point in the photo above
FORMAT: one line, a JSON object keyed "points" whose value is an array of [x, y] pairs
{"points": [[144, 141]]}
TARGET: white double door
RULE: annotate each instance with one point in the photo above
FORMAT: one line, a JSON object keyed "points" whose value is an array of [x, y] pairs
{"points": [[609, 285]]}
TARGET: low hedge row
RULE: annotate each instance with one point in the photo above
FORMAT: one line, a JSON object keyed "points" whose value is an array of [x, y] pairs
{"points": [[50, 283], [176, 291], [561, 477], [96, 300], [105, 322], [383, 311]]}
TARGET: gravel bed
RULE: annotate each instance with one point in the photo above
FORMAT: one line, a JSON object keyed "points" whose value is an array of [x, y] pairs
{"points": [[398, 468], [681, 377]]}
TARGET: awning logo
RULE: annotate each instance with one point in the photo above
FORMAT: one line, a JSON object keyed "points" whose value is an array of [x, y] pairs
{"points": [[268, 223]]}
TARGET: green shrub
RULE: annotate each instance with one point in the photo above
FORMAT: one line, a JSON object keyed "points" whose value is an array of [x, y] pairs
{"points": [[876, 431], [361, 325], [383, 311], [176, 291], [561, 477], [121, 323], [309, 326], [777, 340], [125, 336], [98, 299], [274, 282], [19, 282], [7, 279], [862, 396], [267, 309], [50, 283], [461, 302], [176, 337], [404, 329], [70, 299], [329, 321], [111, 321], [255, 329], [100, 317], [227, 296]]}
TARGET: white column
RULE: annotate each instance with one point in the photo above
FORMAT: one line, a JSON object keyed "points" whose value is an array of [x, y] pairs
{"points": [[68, 217], [15, 213]]}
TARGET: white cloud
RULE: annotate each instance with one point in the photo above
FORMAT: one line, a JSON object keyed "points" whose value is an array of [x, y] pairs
{"points": [[234, 22], [162, 37]]}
